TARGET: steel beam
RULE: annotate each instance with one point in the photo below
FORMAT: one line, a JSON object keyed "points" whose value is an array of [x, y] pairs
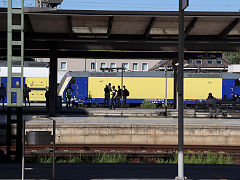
{"points": [[149, 27], [190, 26], [109, 30], [228, 29]]}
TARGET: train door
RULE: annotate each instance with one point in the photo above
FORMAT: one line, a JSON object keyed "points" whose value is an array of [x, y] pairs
{"points": [[231, 87], [82, 87]]}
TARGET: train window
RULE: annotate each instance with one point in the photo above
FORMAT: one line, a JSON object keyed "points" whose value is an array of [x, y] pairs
{"points": [[237, 82], [73, 81]]}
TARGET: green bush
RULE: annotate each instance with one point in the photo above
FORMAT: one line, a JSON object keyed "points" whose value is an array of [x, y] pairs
{"points": [[209, 158], [148, 105]]}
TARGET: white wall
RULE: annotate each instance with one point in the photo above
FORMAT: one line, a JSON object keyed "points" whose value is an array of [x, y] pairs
{"points": [[234, 68], [27, 71]]}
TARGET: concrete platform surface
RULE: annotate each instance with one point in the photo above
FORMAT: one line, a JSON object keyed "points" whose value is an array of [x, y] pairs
{"points": [[133, 120], [119, 171]]}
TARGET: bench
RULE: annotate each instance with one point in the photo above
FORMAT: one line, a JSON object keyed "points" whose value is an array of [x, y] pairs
{"points": [[225, 107]]}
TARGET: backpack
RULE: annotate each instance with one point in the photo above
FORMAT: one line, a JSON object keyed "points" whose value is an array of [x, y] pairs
{"points": [[106, 89], [127, 92]]}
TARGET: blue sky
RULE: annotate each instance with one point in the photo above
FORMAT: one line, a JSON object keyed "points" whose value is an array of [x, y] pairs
{"points": [[142, 5], [152, 5]]}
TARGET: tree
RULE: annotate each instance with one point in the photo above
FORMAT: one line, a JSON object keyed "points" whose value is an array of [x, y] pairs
{"points": [[233, 57]]}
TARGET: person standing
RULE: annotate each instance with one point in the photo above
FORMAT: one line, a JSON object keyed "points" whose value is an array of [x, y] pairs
{"points": [[26, 91], [2, 94], [110, 89], [114, 98], [69, 95], [119, 96], [107, 96], [125, 94]]}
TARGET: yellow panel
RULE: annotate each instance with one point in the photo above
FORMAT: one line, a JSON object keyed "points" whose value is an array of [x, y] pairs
{"points": [[37, 82], [198, 88], [37, 95], [139, 87]]}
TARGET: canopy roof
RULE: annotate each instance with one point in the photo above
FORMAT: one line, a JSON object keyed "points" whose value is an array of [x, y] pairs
{"points": [[77, 33]]}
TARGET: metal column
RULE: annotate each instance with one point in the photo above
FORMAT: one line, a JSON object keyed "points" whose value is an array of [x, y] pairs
{"points": [[182, 5], [53, 83], [15, 79], [175, 84]]}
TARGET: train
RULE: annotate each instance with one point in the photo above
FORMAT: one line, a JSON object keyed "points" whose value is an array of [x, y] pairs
{"points": [[155, 87], [36, 76]]}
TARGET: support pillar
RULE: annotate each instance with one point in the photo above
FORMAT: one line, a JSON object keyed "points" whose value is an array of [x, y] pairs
{"points": [[175, 84], [53, 83]]}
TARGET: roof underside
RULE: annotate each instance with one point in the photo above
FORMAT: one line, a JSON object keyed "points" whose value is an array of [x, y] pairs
{"points": [[123, 33]]}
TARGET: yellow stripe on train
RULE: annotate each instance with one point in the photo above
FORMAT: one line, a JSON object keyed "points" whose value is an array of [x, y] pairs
{"points": [[155, 88]]}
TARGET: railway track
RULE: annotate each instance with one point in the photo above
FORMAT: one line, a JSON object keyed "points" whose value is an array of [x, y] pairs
{"points": [[123, 148]]}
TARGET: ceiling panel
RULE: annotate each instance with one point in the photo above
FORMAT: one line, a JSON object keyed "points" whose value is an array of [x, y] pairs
{"points": [[130, 25], [210, 25], [49, 23]]}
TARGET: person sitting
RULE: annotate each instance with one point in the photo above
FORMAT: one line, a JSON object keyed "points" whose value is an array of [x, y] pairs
{"points": [[212, 105]]}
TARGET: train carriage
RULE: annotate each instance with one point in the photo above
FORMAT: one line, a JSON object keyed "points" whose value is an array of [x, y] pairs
{"points": [[35, 75], [151, 86]]}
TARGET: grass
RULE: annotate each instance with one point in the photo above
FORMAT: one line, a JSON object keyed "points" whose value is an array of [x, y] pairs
{"points": [[98, 158], [199, 158], [148, 105], [189, 158]]}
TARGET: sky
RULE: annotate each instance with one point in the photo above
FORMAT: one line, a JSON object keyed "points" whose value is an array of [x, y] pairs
{"points": [[141, 5], [152, 5]]}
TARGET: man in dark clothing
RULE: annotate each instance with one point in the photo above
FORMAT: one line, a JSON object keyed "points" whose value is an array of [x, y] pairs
{"points": [[26, 91], [119, 96], [125, 94], [212, 105], [2, 93], [69, 95], [114, 98], [107, 96]]}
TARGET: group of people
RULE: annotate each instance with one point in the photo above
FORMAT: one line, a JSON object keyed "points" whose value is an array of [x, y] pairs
{"points": [[116, 96], [3, 93]]}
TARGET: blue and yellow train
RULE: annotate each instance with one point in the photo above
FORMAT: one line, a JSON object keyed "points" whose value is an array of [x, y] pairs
{"points": [[151, 86]]}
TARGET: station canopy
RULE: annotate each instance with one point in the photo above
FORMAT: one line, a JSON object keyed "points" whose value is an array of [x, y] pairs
{"points": [[117, 34]]}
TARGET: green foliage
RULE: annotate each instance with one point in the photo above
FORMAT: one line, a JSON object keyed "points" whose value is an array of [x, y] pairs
{"points": [[98, 158], [111, 158], [233, 57], [148, 105], [199, 158]]}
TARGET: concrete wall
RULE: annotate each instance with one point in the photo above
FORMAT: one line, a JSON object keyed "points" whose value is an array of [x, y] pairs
{"points": [[139, 134]]}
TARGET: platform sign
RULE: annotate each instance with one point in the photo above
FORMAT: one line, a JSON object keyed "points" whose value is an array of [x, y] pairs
{"points": [[184, 4]]}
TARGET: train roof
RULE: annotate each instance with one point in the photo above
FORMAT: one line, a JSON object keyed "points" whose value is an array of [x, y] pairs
{"points": [[151, 74]]}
